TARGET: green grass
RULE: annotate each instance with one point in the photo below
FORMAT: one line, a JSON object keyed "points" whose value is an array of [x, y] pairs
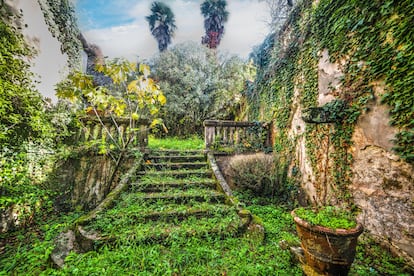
{"points": [[174, 143], [186, 256]]}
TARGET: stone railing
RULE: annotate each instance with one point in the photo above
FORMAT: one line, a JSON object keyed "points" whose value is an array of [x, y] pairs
{"points": [[243, 136], [121, 130]]}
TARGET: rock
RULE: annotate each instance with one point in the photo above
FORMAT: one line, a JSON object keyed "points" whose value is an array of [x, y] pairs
{"points": [[65, 243], [256, 233]]}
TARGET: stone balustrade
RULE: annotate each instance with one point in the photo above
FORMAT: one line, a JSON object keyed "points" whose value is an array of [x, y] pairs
{"points": [[236, 135], [120, 130]]}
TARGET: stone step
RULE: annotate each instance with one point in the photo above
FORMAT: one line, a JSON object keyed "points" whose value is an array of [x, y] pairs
{"points": [[176, 152], [156, 231], [175, 158], [168, 214], [168, 185], [176, 166], [204, 173], [179, 196]]}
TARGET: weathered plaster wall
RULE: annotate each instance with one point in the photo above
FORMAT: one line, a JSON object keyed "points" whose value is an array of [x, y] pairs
{"points": [[382, 184]]}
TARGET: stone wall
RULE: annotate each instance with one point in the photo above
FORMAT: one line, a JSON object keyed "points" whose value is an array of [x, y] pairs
{"points": [[382, 184], [85, 180], [379, 182]]}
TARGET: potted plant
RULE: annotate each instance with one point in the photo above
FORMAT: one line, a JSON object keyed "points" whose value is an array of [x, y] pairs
{"points": [[328, 238]]}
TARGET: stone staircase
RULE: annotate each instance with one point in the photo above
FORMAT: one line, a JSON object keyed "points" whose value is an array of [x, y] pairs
{"points": [[174, 196]]}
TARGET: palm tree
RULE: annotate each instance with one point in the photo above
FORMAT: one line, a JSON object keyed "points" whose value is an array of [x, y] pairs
{"points": [[215, 15], [162, 24]]}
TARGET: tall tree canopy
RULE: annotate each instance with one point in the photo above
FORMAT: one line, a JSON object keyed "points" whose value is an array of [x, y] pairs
{"points": [[198, 86], [215, 15], [162, 24]]}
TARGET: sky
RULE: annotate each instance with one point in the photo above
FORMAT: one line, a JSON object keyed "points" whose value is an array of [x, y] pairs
{"points": [[119, 27]]}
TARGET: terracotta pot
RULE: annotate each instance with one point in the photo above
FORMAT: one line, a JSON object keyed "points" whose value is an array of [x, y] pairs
{"points": [[327, 251]]}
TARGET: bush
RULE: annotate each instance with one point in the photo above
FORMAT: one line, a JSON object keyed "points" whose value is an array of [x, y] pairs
{"points": [[263, 174]]}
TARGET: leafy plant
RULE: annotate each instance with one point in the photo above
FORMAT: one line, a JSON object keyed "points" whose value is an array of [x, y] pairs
{"points": [[22, 110], [133, 95]]}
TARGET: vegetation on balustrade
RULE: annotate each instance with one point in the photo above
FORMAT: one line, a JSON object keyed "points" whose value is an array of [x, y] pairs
{"points": [[236, 139]]}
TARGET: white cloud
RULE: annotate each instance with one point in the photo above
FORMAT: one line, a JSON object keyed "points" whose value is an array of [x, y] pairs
{"points": [[246, 27]]}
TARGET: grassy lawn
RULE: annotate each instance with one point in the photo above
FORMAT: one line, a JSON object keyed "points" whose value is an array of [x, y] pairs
{"points": [[189, 256], [174, 143]]}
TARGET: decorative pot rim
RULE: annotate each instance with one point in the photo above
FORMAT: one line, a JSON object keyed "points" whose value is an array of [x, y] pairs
{"points": [[356, 231]]}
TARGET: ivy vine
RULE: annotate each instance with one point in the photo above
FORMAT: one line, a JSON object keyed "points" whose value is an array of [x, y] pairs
{"points": [[60, 17], [374, 37]]}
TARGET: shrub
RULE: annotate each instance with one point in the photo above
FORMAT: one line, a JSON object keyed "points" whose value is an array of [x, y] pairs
{"points": [[263, 174]]}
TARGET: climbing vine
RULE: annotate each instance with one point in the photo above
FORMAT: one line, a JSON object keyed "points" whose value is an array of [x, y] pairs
{"points": [[375, 38], [370, 40], [60, 17], [24, 123]]}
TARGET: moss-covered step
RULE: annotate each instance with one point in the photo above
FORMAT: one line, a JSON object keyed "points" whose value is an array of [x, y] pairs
{"points": [[159, 231], [175, 158], [178, 173], [181, 196], [166, 212], [176, 166], [183, 184]]}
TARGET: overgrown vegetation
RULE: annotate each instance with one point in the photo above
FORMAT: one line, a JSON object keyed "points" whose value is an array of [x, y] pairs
{"points": [[28, 133], [374, 37], [262, 174], [327, 216], [198, 85], [61, 19], [28, 252], [132, 96], [289, 62]]}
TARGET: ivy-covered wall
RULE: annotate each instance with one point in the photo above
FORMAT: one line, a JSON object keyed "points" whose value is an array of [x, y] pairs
{"points": [[60, 17], [27, 124], [50, 28], [338, 87]]}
